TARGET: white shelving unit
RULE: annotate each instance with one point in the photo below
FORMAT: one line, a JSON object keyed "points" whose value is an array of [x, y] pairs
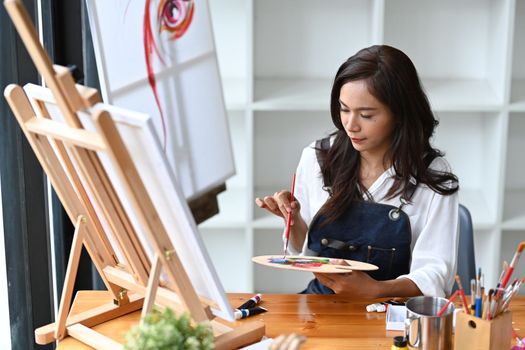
{"points": [[277, 61]]}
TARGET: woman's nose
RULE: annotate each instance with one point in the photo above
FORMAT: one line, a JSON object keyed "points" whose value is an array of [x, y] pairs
{"points": [[352, 123]]}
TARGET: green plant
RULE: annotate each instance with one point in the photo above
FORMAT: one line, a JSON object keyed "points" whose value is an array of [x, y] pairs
{"points": [[164, 330]]}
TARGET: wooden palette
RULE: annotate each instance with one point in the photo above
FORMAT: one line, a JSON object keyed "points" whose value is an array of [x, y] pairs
{"points": [[327, 267]]}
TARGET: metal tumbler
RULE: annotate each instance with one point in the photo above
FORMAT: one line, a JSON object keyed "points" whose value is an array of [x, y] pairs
{"points": [[424, 329]]}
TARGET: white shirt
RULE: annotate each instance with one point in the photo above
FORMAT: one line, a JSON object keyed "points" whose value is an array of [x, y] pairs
{"points": [[433, 219]]}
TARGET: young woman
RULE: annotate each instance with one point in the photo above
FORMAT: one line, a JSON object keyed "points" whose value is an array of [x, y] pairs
{"points": [[376, 190]]}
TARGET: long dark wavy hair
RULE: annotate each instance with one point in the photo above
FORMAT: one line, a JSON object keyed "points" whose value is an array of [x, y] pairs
{"points": [[392, 78]]}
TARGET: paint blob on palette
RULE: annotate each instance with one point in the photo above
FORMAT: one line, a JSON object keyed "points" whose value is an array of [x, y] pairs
{"points": [[313, 264], [300, 261]]}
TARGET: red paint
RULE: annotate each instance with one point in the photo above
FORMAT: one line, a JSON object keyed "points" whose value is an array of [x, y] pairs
{"points": [[149, 48], [175, 25]]}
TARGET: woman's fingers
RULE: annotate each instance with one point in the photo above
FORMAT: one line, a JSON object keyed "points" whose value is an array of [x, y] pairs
{"points": [[280, 204], [283, 207], [339, 262], [287, 204], [325, 279], [269, 204], [284, 200], [260, 203]]}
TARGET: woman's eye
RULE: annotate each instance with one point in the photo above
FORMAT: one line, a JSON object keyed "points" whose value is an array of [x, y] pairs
{"points": [[343, 110], [366, 116]]}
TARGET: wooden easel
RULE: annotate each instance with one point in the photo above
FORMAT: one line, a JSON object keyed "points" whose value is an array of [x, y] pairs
{"points": [[67, 153]]}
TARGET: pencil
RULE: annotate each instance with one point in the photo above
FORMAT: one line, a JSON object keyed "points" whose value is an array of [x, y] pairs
{"points": [[289, 220], [484, 304], [472, 291]]}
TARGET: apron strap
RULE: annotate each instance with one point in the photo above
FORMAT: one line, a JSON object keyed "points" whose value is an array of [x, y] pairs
{"points": [[395, 213]]}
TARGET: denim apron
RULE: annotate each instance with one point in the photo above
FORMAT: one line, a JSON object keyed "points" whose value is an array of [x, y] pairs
{"points": [[371, 232]]}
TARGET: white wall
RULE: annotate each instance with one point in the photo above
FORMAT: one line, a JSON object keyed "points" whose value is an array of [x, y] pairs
{"points": [[5, 328]]}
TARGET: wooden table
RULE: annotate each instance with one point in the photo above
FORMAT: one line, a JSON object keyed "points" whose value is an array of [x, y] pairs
{"points": [[328, 321]]}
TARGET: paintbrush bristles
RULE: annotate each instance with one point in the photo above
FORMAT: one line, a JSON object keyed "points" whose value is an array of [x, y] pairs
{"points": [[458, 281]]}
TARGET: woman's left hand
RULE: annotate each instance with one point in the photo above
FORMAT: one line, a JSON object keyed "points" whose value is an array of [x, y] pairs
{"points": [[355, 283]]}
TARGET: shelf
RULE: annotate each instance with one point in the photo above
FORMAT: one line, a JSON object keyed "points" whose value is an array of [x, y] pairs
{"points": [[268, 221], [449, 39], [458, 134], [229, 20], [230, 253], [483, 217], [235, 93], [238, 132], [293, 94], [233, 202], [308, 39], [314, 94], [517, 92], [232, 210], [488, 254], [468, 140], [278, 142], [514, 224], [461, 95], [514, 200], [515, 147], [517, 95]]}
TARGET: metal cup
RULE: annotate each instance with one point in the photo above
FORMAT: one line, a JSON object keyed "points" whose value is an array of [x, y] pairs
{"points": [[424, 330]]}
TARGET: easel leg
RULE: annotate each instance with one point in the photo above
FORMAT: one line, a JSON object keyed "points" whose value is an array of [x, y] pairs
{"points": [[71, 273], [151, 290]]}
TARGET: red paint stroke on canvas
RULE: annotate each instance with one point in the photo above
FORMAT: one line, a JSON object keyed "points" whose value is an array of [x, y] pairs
{"points": [[173, 16]]}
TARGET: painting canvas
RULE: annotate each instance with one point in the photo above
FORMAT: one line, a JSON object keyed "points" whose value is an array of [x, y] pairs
{"points": [[145, 148], [158, 57]]}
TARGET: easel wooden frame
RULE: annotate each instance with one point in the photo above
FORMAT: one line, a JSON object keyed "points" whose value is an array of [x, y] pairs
{"points": [[59, 147]]}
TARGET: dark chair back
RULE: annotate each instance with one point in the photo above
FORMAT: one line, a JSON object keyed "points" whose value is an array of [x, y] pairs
{"points": [[466, 264]]}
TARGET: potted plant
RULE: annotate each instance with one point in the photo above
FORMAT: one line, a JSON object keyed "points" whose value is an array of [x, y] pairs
{"points": [[165, 330]]}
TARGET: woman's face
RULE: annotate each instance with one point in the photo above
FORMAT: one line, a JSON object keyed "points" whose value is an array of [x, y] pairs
{"points": [[367, 122]]}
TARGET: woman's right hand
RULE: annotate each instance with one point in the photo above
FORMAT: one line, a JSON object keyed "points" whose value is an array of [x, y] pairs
{"points": [[280, 204]]}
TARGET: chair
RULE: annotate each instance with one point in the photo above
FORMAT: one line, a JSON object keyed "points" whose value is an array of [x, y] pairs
{"points": [[466, 264]]}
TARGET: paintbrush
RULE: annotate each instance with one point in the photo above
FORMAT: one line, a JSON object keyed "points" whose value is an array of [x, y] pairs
{"points": [[511, 267], [462, 294], [289, 220]]}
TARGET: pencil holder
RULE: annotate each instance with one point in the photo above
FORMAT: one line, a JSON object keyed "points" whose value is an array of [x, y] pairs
{"points": [[473, 333]]}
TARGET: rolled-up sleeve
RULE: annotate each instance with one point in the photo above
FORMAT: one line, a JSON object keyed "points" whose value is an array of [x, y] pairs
{"points": [[433, 265]]}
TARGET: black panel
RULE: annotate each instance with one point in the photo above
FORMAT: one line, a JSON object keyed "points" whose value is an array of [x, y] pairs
{"points": [[23, 198]]}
